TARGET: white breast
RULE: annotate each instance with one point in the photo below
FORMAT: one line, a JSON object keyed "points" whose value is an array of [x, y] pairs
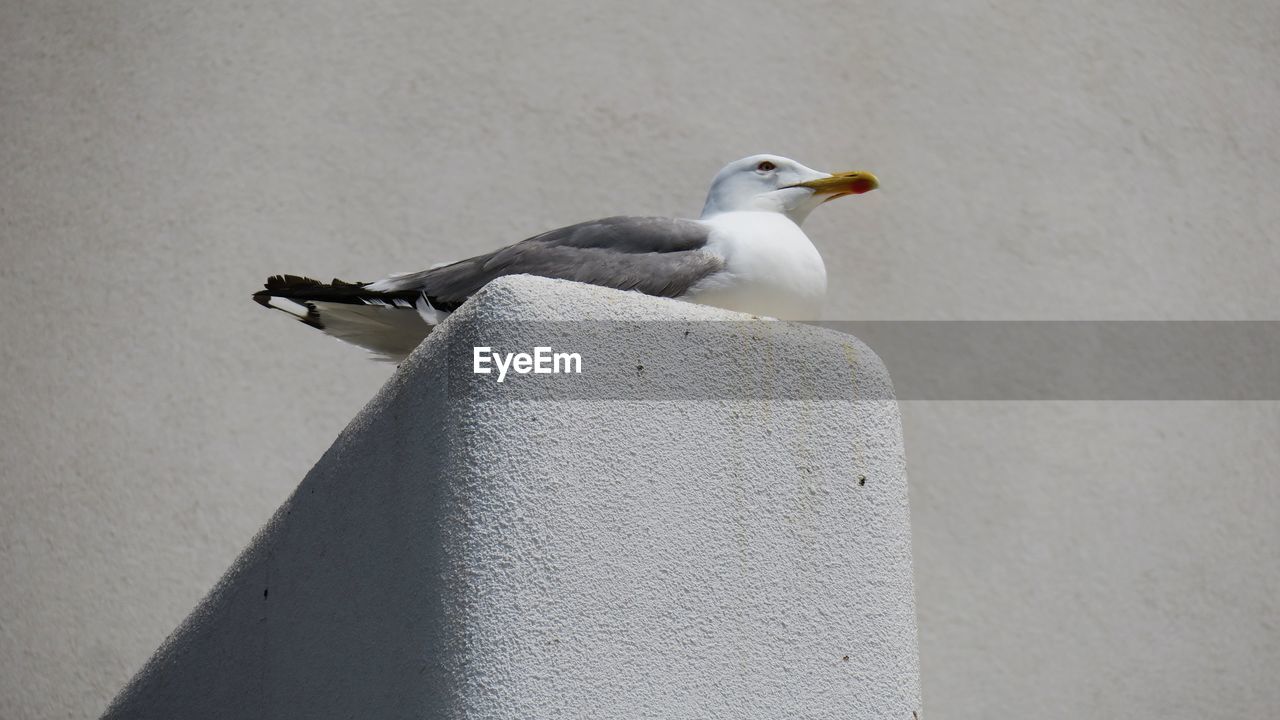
{"points": [[770, 267]]}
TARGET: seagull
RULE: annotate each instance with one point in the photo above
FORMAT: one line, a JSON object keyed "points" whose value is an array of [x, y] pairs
{"points": [[746, 252]]}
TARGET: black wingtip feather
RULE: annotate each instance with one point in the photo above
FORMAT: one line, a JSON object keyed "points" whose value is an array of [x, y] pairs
{"points": [[305, 290], [301, 289]]}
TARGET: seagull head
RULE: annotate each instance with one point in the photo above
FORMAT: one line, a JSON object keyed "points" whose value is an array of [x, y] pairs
{"points": [[772, 183]]}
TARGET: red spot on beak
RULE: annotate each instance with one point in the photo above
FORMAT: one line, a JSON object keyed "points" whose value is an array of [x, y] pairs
{"points": [[862, 185]]}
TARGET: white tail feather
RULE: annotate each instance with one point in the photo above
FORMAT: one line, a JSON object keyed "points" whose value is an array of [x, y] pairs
{"points": [[389, 332]]}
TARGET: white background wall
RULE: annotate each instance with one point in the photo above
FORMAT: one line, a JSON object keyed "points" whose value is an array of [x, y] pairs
{"points": [[1084, 160]]}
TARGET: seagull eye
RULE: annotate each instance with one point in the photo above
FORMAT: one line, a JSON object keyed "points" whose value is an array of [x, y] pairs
{"points": [[766, 166]]}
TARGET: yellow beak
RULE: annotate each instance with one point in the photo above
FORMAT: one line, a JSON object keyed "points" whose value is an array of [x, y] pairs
{"points": [[841, 184]]}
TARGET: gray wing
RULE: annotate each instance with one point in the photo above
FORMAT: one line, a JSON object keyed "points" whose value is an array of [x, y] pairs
{"points": [[654, 255]]}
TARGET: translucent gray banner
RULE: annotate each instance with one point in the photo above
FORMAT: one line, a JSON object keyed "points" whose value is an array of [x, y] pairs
{"points": [[927, 360]]}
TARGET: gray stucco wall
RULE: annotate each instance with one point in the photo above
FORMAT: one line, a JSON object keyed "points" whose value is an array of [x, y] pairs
{"points": [[470, 548], [1093, 160]]}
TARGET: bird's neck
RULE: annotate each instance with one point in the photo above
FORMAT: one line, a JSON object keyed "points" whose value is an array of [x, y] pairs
{"points": [[764, 205]]}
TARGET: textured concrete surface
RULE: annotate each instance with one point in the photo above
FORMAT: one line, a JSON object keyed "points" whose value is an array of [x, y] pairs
{"points": [[1071, 161], [471, 549]]}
